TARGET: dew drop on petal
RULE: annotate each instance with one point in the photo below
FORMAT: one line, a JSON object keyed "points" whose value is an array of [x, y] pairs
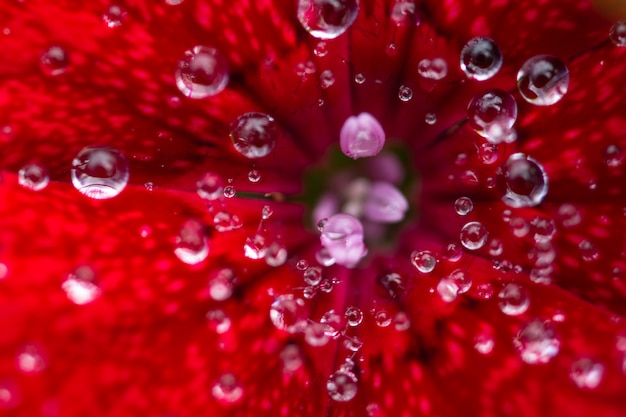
{"points": [[405, 93], [353, 343], [537, 342], [543, 80], [382, 318], [315, 334], [488, 153], [359, 78], [54, 61], [99, 172], [224, 221], [586, 373], [342, 386], [473, 235], [483, 344], [10, 396], [452, 252], [81, 286], [31, 360], [333, 323], [210, 187], [526, 181], [114, 16], [385, 203], [463, 206], [291, 358], [218, 321], [256, 246], [481, 58], [424, 261], [227, 390], [354, 316], [276, 254], [192, 244], [221, 284], [432, 69], [202, 72], [302, 265], [327, 79], [33, 177], [229, 191], [588, 251], [617, 34], [361, 136], [613, 156], [492, 114], [327, 19], [289, 313], [513, 300], [402, 322], [343, 238], [254, 134], [447, 289], [403, 12]]}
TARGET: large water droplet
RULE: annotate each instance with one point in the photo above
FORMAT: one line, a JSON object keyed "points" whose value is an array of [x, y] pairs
{"points": [[342, 386], [81, 286], [537, 342], [313, 275], [513, 300], [463, 206], [192, 244], [202, 72], [31, 359], [315, 334], [289, 313], [492, 115], [333, 322], [481, 58], [54, 61], [618, 34], [99, 172], [33, 177], [543, 80], [210, 186], [526, 181], [342, 236], [254, 134], [327, 19], [474, 235], [361, 136], [403, 12]]}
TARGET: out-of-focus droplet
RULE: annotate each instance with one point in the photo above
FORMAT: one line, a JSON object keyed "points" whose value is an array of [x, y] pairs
{"points": [[327, 79], [424, 261], [403, 12], [481, 58], [430, 118], [492, 115], [433, 69], [218, 321], [327, 19], [586, 373], [405, 93], [359, 78], [221, 284], [617, 34], [192, 243], [99, 172], [537, 342], [202, 72], [33, 176], [342, 386], [543, 80], [81, 286], [289, 313], [31, 359], [227, 390], [54, 61], [114, 16], [210, 187]]}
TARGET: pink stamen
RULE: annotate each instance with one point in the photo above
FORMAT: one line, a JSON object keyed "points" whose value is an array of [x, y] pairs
{"points": [[361, 136]]}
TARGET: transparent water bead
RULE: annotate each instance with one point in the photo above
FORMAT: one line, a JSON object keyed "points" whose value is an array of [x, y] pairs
{"points": [[433, 69], [254, 134], [221, 284], [424, 261], [537, 342], [210, 187], [227, 390], [617, 34], [361, 136], [474, 235], [586, 373], [33, 176], [327, 19], [525, 180], [313, 275], [342, 236], [99, 172], [354, 316], [405, 93], [201, 72], [54, 61], [342, 386], [289, 313], [327, 79], [192, 244], [114, 16], [513, 300], [463, 206], [543, 80], [81, 286], [481, 58], [385, 203], [492, 115]]}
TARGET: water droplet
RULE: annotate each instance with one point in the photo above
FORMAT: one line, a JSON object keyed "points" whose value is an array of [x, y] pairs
{"points": [[81, 286], [276, 254], [430, 118], [537, 342], [229, 191], [586, 373], [354, 316], [227, 390], [114, 16], [225, 222], [256, 246], [588, 251], [613, 156], [361, 136], [513, 300], [425, 261], [543, 80], [302, 264], [254, 175], [210, 187], [192, 244], [221, 284], [447, 289], [333, 324], [403, 12], [323, 257], [54, 61], [327, 19], [254, 134], [526, 181], [327, 79], [393, 283], [483, 344], [291, 358], [289, 313], [359, 78], [481, 58], [433, 69], [218, 321], [202, 72], [313, 275], [405, 93], [99, 172], [342, 386], [321, 49], [343, 238], [618, 34], [31, 360], [382, 318], [474, 235], [352, 343], [402, 322], [492, 114], [488, 153], [463, 206], [309, 292], [452, 252], [33, 177]]}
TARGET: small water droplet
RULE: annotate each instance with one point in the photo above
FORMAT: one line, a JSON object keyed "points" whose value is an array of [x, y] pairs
{"points": [[313, 275], [481, 58], [492, 115], [405, 93], [483, 344], [433, 69], [276, 254], [430, 118], [31, 359], [302, 264], [403, 12], [256, 246], [613, 156], [291, 358], [402, 322], [359, 78], [114, 16], [327, 79], [424, 261], [513, 300], [333, 323], [382, 318], [321, 49], [488, 153], [586, 373], [354, 316], [617, 34], [342, 386], [229, 191], [54, 61], [99, 172], [474, 235], [210, 187], [537, 342], [463, 206], [526, 181], [289, 313], [81, 286], [33, 176], [327, 19], [192, 244], [254, 134], [352, 343], [221, 284], [315, 334], [202, 72], [452, 252], [149, 186], [543, 80], [254, 176], [218, 321], [588, 251], [227, 390], [224, 221]]}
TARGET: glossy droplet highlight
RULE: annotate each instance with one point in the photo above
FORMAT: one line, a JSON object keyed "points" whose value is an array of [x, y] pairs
{"points": [[526, 181], [289, 313], [33, 177], [114, 16], [54, 61], [361, 136], [342, 386], [254, 134], [513, 300], [424, 261], [327, 19], [81, 286], [433, 69], [492, 115], [617, 34], [481, 58], [405, 93], [221, 284], [99, 172], [543, 80], [474, 235], [537, 342], [342, 236], [202, 72], [192, 244]]}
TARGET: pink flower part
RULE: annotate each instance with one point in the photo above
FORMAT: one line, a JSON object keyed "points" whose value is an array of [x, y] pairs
{"points": [[361, 136], [385, 203], [342, 237]]}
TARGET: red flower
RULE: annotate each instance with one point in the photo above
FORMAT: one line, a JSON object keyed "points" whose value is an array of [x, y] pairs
{"points": [[202, 287]]}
